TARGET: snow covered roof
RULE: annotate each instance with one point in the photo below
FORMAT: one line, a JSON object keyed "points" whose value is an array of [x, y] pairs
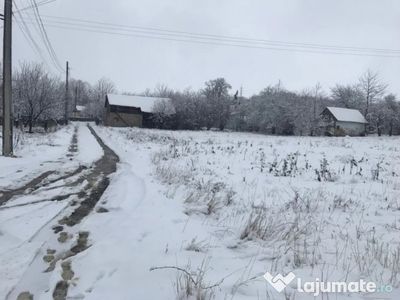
{"points": [[145, 103], [80, 107], [347, 115]]}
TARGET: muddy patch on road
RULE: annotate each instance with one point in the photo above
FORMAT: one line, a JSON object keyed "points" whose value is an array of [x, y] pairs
{"points": [[99, 181], [25, 296], [7, 195], [39, 181], [81, 202]]}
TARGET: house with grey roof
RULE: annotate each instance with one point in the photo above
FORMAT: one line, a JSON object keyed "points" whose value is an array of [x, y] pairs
{"points": [[344, 121]]}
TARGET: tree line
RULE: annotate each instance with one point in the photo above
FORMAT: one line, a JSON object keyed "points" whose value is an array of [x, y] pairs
{"points": [[275, 109], [39, 97]]}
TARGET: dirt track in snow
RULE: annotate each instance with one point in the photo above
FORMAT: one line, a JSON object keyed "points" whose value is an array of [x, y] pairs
{"points": [[98, 181], [102, 168]]}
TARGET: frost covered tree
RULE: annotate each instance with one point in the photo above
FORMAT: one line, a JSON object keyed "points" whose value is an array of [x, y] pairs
{"points": [[162, 91], [37, 95], [372, 89], [378, 116], [162, 110], [190, 109], [349, 96], [272, 110], [80, 91], [95, 108], [393, 114], [218, 103], [103, 87]]}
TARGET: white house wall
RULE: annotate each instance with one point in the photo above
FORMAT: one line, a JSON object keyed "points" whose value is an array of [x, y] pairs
{"points": [[351, 128]]}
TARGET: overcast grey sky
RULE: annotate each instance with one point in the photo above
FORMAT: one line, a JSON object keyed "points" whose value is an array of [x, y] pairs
{"points": [[135, 63]]}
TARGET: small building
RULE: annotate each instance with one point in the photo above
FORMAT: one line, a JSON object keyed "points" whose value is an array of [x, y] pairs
{"points": [[129, 111], [77, 111], [344, 121]]}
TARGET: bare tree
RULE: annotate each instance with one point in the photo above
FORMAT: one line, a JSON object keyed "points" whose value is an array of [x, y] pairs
{"points": [[95, 109], [162, 91], [36, 93], [162, 110], [81, 91], [103, 87], [349, 96], [372, 88]]}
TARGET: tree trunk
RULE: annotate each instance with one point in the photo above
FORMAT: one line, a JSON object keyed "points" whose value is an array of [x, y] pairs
{"points": [[379, 130], [30, 127]]}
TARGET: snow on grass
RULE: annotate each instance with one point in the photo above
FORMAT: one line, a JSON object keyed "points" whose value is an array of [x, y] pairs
{"points": [[35, 154], [228, 207]]}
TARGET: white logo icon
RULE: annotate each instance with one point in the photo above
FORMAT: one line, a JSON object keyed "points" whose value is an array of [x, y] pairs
{"points": [[279, 282]]}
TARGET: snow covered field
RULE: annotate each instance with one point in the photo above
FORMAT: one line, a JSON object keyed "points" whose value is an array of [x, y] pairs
{"points": [[228, 207], [224, 208]]}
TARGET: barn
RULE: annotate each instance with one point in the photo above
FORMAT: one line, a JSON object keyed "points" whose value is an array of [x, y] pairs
{"points": [[129, 111], [344, 121]]}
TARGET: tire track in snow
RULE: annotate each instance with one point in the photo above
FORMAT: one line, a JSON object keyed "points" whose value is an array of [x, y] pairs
{"points": [[36, 183], [99, 181]]}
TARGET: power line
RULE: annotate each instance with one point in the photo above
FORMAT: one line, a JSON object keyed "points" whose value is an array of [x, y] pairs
{"points": [[38, 4], [219, 43], [28, 36], [222, 37], [45, 38], [50, 47], [33, 45]]}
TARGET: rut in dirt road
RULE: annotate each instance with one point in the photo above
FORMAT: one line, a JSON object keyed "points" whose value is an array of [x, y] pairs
{"points": [[102, 168], [8, 194], [35, 183], [89, 195]]}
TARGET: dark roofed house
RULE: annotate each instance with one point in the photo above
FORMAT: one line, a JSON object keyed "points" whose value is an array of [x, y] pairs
{"points": [[345, 121], [129, 111]]}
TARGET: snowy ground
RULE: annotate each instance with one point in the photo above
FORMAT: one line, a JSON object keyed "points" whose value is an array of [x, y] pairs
{"points": [[40, 152], [223, 207], [220, 203], [26, 219], [37, 153]]}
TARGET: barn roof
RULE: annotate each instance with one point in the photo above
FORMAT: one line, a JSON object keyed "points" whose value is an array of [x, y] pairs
{"points": [[347, 115], [145, 103], [80, 107]]}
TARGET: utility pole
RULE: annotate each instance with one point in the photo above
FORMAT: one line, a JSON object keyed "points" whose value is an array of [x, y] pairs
{"points": [[76, 96], [66, 96], [7, 95]]}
